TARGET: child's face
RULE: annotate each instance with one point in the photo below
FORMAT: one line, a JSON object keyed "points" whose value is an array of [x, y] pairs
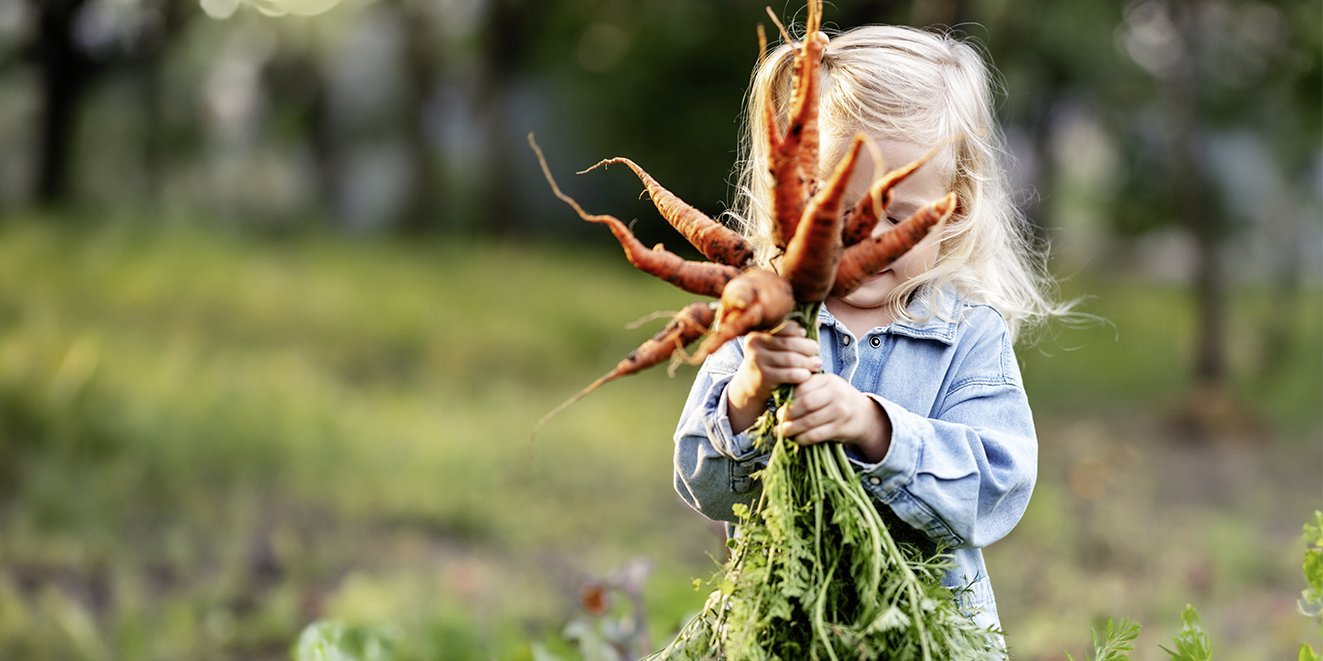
{"points": [[927, 184]]}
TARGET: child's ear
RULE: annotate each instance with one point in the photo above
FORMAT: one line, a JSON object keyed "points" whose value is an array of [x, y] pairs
{"points": [[959, 213]]}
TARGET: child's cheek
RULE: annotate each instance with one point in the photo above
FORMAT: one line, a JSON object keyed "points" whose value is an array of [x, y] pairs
{"points": [[917, 261]]}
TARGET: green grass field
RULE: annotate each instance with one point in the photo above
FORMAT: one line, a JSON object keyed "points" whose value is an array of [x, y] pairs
{"points": [[208, 442]]}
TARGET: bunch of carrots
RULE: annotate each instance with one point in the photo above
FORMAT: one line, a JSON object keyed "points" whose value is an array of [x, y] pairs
{"points": [[815, 571]]}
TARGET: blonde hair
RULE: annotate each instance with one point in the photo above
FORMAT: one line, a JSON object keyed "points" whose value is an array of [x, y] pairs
{"points": [[925, 88]]}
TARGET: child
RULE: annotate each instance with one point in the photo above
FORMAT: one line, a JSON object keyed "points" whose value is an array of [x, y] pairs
{"points": [[914, 372]]}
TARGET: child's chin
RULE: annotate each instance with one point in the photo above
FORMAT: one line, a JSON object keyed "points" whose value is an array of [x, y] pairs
{"points": [[873, 293]]}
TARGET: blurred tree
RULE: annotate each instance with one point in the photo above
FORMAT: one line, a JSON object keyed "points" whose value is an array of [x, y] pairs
{"points": [[511, 32], [420, 60], [1166, 80], [164, 25], [76, 43], [297, 87], [1217, 69], [1202, 219], [64, 73], [1288, 99]]}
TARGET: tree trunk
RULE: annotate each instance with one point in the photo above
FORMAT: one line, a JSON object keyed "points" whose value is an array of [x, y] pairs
{"points": [[1209, 410], [173, 15], [327, 149], [63, 75], [1210, 373], [153, 129], [422, 208]]}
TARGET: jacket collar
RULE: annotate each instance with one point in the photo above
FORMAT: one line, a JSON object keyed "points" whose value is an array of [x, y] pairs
{"points": [[939, 324]]}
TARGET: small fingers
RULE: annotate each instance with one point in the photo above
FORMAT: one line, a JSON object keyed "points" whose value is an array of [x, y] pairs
{"points": [[789, 359], [800, 345], [816, 427], [810, 396], [786, 375], [790, 329]]}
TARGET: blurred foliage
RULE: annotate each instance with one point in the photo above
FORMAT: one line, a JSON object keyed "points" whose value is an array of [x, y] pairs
{"points": [[1114, 642], [1191, 644], [332, 641], [381, 114]]}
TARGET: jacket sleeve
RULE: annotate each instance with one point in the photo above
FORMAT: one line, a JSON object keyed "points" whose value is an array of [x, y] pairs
{"points": [[963, 477], [714, 465]]}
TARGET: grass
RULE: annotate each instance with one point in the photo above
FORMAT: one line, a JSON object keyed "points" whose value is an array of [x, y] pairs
{"points": [[208, 441]]}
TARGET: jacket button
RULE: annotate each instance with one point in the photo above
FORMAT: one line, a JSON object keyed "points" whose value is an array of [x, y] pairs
{"points": [[874, 480], [845, 339], [876, 341]]}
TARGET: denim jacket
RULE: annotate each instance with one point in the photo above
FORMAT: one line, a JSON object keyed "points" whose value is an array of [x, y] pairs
{"points": [[963, 455]]}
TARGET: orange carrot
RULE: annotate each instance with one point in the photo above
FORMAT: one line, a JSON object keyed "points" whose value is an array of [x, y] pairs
{"points": [[794, 155], [862, 260], [686, 326], [700, 278], [757, 300], [716, 241], [787, 182], [866, 212], [811, 258], [808, 65]]}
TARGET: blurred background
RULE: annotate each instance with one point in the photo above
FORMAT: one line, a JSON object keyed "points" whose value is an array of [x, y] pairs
{"points": [[281, 298]]}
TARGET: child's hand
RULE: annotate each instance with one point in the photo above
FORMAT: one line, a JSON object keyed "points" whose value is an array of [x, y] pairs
{"points": [[826, 407], [770, 360]]}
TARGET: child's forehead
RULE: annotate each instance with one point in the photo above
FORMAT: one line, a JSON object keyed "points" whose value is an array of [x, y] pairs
{"points": [[896, 152]]}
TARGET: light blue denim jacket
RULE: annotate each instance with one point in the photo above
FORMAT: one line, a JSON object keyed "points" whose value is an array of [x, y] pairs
{"points": [[963, 456]]}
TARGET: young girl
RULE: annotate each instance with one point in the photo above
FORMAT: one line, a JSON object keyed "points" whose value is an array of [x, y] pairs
{"points": [[914, 372]]}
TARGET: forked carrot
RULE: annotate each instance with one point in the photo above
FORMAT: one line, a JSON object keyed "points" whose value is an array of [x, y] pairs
{"points": [[793, 155], [811, 258], [862, 260], [702, 278], [686, 326], [808, 63], [787, 183], [757, 300], [716, 241]]}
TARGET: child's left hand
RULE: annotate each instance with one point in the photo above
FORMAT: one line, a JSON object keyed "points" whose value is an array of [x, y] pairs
{"points": [[827, 408]]}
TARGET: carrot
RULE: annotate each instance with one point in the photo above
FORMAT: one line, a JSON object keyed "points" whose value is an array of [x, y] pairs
{"points": [[757, 300], [686, 326], [808, 63], [787, 182], [862, 260], [811, 258], [716, 241], [866, 212], [794, 155], [700, 278]]}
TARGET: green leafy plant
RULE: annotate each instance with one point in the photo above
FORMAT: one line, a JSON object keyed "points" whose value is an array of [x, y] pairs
{"points": [[1311, 599], [1192, 641], [1114, 642], [335, 641]]}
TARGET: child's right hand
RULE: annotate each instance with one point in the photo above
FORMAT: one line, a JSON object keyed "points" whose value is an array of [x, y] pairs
{"points": [[770, 360]]}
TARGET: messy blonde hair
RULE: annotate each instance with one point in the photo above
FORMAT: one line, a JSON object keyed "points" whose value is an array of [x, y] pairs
{"points": [[926, 88]]}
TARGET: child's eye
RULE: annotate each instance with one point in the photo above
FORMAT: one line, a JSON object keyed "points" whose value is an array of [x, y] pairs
{"points": [[893, 220]]}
